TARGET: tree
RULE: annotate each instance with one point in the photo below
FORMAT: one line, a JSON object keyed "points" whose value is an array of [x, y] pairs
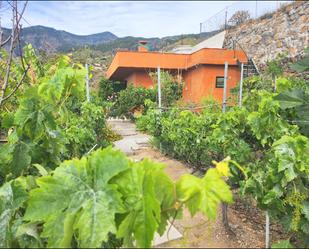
{"points": [[239, 17]]}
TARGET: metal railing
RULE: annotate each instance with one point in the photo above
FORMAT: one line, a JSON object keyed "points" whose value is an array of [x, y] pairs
{"points": [[235, 43]]}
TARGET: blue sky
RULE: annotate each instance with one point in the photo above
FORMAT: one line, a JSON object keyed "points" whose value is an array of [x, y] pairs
{"points": [[123, 18]]}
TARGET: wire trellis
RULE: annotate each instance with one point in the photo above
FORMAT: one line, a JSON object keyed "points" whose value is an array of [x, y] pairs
{"points": [[192, 108]]}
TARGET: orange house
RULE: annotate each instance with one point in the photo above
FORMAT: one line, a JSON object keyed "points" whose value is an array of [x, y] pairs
{"points": [[202, 71]]}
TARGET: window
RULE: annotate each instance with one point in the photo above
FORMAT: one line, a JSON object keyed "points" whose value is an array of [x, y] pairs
{"points": [[219, 82]]}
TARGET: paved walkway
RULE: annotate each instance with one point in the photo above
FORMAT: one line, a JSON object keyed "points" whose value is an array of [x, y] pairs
{"points": [[131, 139]]}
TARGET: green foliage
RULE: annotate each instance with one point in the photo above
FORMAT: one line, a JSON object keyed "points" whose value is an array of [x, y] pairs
{"points": [[259, 135], [130, 99], [283, 244], [211, 187], [296, 100], [14, 232], [85, 129], [99, 200], [178, 131], [36, 137], [17, 70], [106, 89], [109, 90], [171, 90], [87, 55], [266, 125], [83, 201], [12, 198], [80, 199], [150, 121], [281, 185], [199, 137], [303, 64], [65, 82], [30, 58], [133, 98], [51, 122], [274, 67], [256, 82]]}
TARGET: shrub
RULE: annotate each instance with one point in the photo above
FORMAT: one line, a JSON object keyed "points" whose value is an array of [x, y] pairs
{"points": [[105, 89], [109, 90], [130, 99], [171, 90]]}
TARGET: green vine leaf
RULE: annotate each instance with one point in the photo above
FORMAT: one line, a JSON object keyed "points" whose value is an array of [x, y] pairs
{"points": [[204, 194], [282, 244], [305, 209], [21, 158], [12, 197], [291, 98], [78, 198], [138, 190]]}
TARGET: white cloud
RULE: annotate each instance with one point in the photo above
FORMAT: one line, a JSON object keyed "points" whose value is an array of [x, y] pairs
{"points": [[126, 18]]}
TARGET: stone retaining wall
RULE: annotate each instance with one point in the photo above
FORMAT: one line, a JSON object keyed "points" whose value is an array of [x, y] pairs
{"points": [[286, 30]]}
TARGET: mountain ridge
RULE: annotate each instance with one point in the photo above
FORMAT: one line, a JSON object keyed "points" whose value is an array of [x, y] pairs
{"points": [[52, 40]]}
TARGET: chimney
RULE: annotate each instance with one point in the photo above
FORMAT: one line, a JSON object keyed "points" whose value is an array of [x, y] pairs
{"points": [[142, 46]]}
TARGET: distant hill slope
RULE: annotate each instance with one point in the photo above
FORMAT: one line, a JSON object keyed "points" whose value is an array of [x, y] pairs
{"points": [[52, 40], [157, 44]]}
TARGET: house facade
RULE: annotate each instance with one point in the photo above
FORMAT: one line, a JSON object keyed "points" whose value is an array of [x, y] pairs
{"points": [[201, 71]]}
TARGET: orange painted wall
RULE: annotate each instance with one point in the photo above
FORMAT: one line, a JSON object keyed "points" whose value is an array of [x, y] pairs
{"points": [[201, 82], [140, 78]]}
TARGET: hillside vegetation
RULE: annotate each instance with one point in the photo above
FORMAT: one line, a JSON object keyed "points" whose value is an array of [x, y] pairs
{"points": [[52, 40]]}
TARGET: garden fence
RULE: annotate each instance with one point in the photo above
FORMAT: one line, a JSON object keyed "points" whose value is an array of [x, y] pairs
{"points": [[256, 9]]}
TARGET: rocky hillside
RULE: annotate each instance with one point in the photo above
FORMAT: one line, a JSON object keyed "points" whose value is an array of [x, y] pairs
{"points": [[52, 40], [281, 32]]}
